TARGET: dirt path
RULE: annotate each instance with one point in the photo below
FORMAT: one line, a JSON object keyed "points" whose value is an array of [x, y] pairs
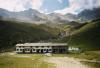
{"points": [[65, 62]]}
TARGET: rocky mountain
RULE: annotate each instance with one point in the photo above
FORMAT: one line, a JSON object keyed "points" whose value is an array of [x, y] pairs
{"points": [[87, 14], [57, 17], [71, 17], [33, 16], [30, 15]]}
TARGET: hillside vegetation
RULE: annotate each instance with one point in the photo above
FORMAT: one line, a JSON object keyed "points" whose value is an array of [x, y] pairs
{"points": [[23, 61], [87, 37], [12, 33]]}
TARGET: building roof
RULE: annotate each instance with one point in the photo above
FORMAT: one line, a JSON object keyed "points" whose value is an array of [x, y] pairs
{"points": [[42, 44]]}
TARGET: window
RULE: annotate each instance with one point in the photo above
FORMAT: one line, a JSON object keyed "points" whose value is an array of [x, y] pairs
{"points": [[17, 49], [19, 46], [50, 49], [20, 49], [33, 49], [36, 46], [48, 46], [28, 49], [42, 46]]}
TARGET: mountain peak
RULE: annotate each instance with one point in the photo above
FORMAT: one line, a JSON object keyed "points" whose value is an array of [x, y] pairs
{"points": [[31, 10]]}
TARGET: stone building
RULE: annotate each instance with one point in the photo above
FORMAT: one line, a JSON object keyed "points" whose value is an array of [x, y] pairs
{"points": [[58, 48]]}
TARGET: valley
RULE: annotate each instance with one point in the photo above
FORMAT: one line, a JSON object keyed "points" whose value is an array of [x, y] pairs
{"points": [[79, 31]]}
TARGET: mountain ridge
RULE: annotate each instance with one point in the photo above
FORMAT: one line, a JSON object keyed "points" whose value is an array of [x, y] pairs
{"points": [[34, 16]]}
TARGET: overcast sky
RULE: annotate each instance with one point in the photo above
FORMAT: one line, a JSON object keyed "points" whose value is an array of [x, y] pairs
{"points": [[48, 6]]}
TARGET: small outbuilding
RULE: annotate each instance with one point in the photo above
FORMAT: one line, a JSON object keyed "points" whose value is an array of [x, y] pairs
{"points": [[75, 50], [57, 48]]}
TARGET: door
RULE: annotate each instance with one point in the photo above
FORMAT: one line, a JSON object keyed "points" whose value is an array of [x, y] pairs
{"points": [[23, 50]]}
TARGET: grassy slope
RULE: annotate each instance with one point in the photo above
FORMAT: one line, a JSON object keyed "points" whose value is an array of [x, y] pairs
{"points": [[88, 55], [17, 32], [15, 61], [87, 37]]}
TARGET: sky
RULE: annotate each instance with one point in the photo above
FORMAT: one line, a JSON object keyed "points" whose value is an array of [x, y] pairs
{"points": [[50, 6]]}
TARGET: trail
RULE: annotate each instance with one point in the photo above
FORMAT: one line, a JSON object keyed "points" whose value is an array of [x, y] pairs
{"points": [[65, 62]]}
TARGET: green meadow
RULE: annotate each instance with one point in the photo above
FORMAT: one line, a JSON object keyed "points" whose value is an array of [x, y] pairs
{"points": [[23, 61]]}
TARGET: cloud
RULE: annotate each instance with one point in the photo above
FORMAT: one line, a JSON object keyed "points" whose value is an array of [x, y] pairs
{"points": [[90, 4], [36, 4], [45, 10], [60, 1], [75, 6], [72, 8], [11, 5], [20, 5]]}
